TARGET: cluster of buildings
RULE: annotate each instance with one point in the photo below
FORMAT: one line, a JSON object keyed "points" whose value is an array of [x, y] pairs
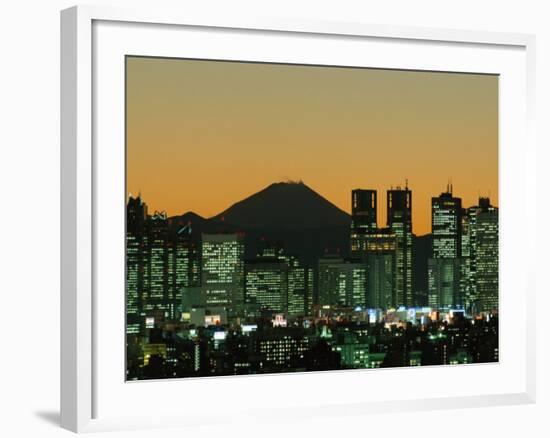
{"points": [[196, 306], [462, 267], [329, 343]]}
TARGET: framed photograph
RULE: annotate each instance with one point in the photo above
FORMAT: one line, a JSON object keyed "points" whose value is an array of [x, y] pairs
{"points": [[315, 218]]}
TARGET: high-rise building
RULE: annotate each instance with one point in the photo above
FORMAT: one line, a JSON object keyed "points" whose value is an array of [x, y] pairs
{"points": [[222, 270], [380, 251], [136, 241], [363, 211], [376, 247], [342, 282], [278, 281], [399, 220], [480, 257], [444, 266], [157, 297], [186, 264], [467, 281], [446, 225], [486, 256], [444, 283], [308, 304], [266, 283], [297, 287]]}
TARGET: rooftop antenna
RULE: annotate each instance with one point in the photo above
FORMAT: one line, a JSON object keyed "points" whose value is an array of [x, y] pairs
{"points": [[406, 184], [451, 185]]}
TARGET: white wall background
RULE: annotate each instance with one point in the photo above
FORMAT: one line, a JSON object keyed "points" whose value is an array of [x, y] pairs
{"points": [[29, 211]]}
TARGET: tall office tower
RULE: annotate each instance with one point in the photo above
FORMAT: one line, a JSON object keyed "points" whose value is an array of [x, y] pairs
{"points": [[186, 264], [266, 283], [399, 208], [309, 291], [157, 297], [136, 240], [466, 273], [297, 286], [342, 282], [363, 211], [222, 270], [375, 247], [472, 304], [444, 265], [446, 225], [380, 255], [486, 256]]}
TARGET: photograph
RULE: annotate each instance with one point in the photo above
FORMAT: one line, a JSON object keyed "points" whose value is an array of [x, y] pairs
{"points": [[286, 218]]}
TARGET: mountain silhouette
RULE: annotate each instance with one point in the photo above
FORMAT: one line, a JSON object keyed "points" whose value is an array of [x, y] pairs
{"points": [[305, 223], [285, 205]]}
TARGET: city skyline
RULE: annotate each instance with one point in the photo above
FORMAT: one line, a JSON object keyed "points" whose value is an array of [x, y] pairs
{"points": [[387, 126], [198, 306], [290, 218]]}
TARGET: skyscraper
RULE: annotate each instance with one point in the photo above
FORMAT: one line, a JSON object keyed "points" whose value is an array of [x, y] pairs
{"points": [[298, 282], [399, 217], [342, 282], [136, 241], [486, 256], [363, 211], [157, 297], [376, 248], [380, 254], [222, 270], [278, 281], [467, 281], [266, 283], [445, 264], [480, 257], [186, 263]]}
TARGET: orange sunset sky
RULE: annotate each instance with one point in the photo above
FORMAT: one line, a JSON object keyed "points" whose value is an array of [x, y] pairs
{"points": [[202, 135]]}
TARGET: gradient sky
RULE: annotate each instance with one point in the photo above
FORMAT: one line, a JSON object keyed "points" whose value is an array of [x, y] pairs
{"points": [[202, 135]]}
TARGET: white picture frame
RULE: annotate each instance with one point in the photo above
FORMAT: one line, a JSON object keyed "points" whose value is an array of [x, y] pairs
{"points": [[85, 177]]}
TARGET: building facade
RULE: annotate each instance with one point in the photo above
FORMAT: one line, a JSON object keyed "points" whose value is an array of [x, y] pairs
{"points": [[222, 270], [399, 220], [444, 267]]}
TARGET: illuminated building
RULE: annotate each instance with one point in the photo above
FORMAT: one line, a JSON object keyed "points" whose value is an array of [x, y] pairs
{"points": [[380, 256], [363, 211], [281, 348], [486, 256], [185, 267], [445, 265], [136, 240], [157, 265], [222, 270], [150, 350], [266, 283], [481, 258], [377, 248], [443, 282], [446, 225], [399, 217], [466, 271], [342, 281], [297, 287], [278, 281], [354, 353]]}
